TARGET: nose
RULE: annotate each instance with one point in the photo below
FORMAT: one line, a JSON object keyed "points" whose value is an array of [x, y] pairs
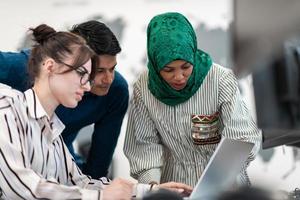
{"points": [[108, 77], [87, 86], [179, 75]]}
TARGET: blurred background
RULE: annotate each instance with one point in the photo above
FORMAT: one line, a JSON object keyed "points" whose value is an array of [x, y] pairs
{"points": [[258, 39]]}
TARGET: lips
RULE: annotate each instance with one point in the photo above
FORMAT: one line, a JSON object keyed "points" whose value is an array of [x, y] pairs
{"points": [[79, 96], [178, 86]]}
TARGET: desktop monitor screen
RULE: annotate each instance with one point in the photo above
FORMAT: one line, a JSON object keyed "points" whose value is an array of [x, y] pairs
{"points": [[266, 43]]}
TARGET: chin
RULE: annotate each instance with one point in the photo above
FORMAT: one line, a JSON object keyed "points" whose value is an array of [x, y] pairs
{"points": [[70, 104], [100, 92]]}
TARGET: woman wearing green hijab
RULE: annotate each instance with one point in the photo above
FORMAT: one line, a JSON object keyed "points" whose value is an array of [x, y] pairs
{"points": [[182, 107]]}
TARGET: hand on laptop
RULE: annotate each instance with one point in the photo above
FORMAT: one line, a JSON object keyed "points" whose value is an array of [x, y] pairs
{"points": [[181, 188]]}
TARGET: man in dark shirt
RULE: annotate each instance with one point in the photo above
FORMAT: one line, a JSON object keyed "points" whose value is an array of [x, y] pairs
{"points": [[104, 106]]}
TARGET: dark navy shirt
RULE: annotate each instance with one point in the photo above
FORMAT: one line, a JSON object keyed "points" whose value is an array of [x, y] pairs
{"points": [[105, 112]]}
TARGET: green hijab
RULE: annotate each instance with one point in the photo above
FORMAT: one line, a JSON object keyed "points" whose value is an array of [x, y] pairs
{"points": [[170, 36]]}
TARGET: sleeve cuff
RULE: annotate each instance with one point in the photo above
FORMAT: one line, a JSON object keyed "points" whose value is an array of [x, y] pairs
{"points": [[91, 194], [150, 176]]}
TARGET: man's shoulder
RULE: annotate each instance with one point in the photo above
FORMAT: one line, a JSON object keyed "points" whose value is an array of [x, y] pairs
{"points": [[16, 61], [119, 86], [13, 69], [14, 57], [119, 81]]}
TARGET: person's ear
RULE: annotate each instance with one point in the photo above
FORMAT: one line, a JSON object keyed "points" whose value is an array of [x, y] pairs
{"points": [[50, 65]]}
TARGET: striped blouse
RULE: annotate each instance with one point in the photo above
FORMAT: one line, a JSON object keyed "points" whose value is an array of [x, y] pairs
{"points": [[34, 161], [159, 143]]}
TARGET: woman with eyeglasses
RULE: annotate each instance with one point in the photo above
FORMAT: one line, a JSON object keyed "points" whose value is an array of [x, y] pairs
{"points": [[34, 161]]}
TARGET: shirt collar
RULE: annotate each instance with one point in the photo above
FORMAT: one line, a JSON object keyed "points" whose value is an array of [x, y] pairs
{"points": [[35, 108], [56, 126], [37, 112]]}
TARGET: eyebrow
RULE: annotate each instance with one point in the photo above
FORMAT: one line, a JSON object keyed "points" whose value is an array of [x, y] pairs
{"points": [[82, 67]]}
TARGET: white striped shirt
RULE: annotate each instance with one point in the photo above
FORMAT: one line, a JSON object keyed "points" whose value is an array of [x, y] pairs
{"points": [[34, 161], [159, 142]]}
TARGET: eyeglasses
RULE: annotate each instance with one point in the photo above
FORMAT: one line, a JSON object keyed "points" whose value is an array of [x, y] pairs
{"points": [[82, 72]]}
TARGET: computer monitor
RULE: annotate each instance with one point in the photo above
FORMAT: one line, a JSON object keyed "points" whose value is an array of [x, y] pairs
{"points": [[266, 43]]}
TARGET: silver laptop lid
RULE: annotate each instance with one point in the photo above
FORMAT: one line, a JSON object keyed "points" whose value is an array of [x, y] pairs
{"points": [[222, 169]]}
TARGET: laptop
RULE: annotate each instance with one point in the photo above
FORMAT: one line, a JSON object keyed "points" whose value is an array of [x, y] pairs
{"points": [[222, 169]]}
